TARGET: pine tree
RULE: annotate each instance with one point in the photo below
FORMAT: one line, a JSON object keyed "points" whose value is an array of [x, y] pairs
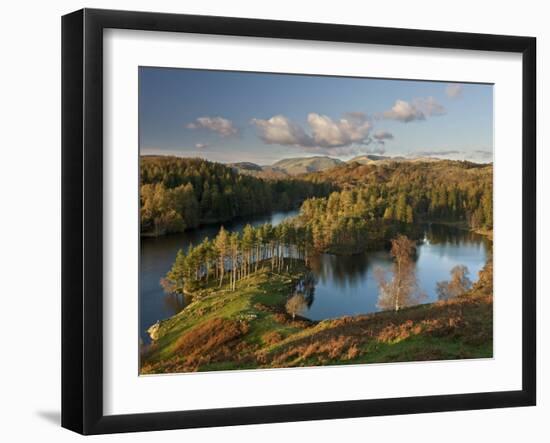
{"points": [[222, 247], [248, 243]]}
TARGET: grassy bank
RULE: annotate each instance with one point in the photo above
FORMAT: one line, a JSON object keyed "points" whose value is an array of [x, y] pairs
{"points": [[249, 328]]}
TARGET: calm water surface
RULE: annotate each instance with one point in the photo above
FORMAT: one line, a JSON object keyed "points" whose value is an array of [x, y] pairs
{"points": [[344, 285]]}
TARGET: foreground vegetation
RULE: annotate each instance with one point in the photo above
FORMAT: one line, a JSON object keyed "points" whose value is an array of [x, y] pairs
{"points": [[250, 327]]}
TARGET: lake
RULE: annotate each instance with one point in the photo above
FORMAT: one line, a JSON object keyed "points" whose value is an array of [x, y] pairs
{"points": [[344, 285]]}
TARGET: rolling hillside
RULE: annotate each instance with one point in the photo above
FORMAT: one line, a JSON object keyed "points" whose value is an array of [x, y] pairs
{"points": [[302, 165], [287, 167]]}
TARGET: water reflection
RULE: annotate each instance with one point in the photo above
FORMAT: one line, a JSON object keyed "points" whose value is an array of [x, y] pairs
{"points": [[306, 288], [437, 234], [345, 285], [344, 271], [175, 302]]}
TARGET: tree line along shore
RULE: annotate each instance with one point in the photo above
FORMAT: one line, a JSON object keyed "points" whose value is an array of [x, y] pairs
{"points": [[178, 194]]}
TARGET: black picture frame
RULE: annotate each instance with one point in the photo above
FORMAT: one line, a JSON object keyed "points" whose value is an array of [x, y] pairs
{"points": [[82, 218]]}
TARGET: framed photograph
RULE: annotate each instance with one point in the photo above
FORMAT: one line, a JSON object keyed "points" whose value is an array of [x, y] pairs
{"points": [[269, 221]]}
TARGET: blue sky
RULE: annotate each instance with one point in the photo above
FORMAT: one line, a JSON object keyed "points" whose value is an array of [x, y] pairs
{"points": [[236, 116]]}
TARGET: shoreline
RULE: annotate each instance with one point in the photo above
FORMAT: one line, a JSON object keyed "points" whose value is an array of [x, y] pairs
{"points": [[249, 328], [462, 225], [197, 294], [228, 222]]}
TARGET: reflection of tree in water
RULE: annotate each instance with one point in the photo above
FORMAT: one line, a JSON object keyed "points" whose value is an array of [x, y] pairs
{"points": [[343, 270], [175, 302], [306, 288], [444, 234]]}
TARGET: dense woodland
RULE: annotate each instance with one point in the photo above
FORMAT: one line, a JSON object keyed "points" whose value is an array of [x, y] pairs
{"points": [[183, 193], [377, 202], [419, 191], [352, 221], [374, 205], [179, 194]]}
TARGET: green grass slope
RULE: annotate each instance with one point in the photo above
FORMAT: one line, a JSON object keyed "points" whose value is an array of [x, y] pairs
{"points": [[249, 328]]}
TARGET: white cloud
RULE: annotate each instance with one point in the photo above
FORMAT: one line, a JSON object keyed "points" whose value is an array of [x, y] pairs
{"points": [[201, 145], [324, 135], [418, 109], [329, 133], [453, 90], [282, 131], [222, 126], [404, 112]]}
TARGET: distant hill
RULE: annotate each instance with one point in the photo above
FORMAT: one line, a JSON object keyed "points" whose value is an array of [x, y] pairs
{"points": [[426, 159], [255, 170], [287, 167], [406, 172], [245, 166], [303, 165], [369, 159]]}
